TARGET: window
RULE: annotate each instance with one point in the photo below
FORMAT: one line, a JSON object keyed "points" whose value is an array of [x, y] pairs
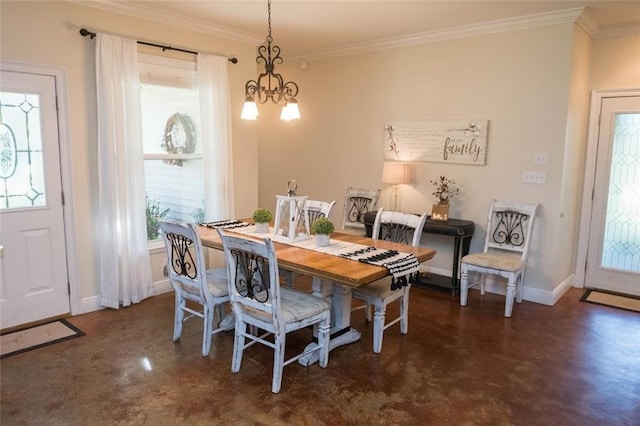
{"points": [[21, 162], [173, 165]]}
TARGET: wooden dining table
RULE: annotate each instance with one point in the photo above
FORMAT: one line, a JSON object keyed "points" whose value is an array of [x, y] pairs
{"points": [[333, 277]]}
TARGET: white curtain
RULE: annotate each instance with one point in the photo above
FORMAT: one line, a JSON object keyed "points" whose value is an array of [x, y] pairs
{"points": [[215, 110], [125, 268]]}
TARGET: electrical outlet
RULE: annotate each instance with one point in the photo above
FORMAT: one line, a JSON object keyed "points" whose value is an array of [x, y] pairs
{"points": [[539, 178], [540, 158]]}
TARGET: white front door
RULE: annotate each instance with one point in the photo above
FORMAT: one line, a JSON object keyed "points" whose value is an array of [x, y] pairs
{"points": [[33, 272], [613, 257]]}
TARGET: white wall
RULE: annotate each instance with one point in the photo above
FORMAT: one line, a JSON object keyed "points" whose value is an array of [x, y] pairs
{"points": [[529, 83], [520, 80], [47, 33], [615, 63], [563, 244]]}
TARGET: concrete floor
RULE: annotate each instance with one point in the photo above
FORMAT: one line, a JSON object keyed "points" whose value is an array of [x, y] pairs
{"points": [[571, 364]]}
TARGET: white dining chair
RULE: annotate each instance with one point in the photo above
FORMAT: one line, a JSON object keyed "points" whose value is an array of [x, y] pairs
{"points": [[258, 301], [357, 202], [190, 280], [505, 253], [316, 210], [405, 228]]}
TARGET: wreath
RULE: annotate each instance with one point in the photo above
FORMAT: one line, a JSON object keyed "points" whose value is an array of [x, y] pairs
{"points": [[179, 137]]}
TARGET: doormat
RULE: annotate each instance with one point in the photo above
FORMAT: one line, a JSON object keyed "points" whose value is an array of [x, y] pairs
{"points": [[621, 301], [39, 336]]}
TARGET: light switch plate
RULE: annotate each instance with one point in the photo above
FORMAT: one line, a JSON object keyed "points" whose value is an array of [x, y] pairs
{"points": [[538, 178]]}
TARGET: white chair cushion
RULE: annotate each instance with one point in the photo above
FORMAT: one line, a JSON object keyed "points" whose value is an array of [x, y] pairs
{"points": [[500, 261], [295, 305], [218, 282], [379, 289]]}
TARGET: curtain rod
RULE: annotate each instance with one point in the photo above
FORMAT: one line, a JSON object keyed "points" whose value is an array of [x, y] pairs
{"points": [[85, 32]]}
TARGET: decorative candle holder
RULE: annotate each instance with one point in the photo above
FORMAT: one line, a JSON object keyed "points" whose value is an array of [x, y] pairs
{"points": [[292, 217]]}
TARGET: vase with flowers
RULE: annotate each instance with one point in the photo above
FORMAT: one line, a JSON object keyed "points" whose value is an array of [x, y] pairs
{"points": [[445, 189]]}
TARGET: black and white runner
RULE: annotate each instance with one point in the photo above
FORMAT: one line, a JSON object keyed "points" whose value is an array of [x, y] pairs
{"points": [[227, 224], [403, 267]]}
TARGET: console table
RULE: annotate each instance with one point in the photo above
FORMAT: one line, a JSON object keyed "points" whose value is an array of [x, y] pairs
{"points": [[460, 230]]}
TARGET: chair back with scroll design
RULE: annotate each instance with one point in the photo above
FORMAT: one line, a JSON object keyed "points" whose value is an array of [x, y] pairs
{"points": [[506, 249], [318, 209], [190, 280], [357, 202], [404, 228], [259, 302]]}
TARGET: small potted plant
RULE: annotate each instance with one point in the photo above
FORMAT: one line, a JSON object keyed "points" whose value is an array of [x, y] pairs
{"points": [[445, 189], [262, 217], [322, 227]]}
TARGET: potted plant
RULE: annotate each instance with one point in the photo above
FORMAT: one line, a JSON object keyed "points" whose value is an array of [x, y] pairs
{"points": [[262, 217], [445, 189], [154, 216], [322, 227]]}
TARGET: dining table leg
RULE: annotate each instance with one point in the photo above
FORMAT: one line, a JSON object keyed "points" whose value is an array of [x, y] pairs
{"points": [[341, 331]]}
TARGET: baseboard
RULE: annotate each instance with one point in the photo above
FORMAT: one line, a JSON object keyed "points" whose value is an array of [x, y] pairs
{"points": [[161, 287], [91, 304], [564, 286], [533, 294]]}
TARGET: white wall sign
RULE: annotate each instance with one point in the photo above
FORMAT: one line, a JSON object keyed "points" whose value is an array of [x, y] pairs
{"points": [[441, 141]]}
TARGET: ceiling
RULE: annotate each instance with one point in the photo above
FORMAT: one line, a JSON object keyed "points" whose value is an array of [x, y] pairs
{"points": [[305, 29]]}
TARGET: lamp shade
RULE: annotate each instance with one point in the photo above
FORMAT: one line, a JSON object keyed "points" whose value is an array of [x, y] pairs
{"points": [[290, 111], [395, 173], [249, 110]]}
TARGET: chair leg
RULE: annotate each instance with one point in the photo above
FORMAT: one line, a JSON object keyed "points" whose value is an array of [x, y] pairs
{"points": [[278, 361], [519, 285], [238, 346], [178, 318], [324, 330], [464, 286], [508, 306], [208, 311], [367, 311], [404, 311], [378, 327]]}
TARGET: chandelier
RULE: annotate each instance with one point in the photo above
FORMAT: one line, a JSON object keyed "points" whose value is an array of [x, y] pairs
{"points": [[270, 85]]}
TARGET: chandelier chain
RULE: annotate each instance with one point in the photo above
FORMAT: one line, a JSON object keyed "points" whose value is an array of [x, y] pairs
{"points": [[269, 38]]}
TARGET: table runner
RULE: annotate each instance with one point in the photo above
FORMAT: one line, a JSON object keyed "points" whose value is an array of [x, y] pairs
{"points": [[227, 224], [403, 267]]}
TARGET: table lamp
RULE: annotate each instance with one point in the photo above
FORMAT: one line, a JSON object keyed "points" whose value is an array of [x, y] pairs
{"points": [[395, 174]]}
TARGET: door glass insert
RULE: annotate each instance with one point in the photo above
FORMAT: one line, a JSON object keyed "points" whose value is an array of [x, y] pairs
{"points": [[621, 245], [21, 161]]}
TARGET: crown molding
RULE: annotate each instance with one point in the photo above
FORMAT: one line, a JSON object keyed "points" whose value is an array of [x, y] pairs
{"points": [[579, 15], [150, 14], [588, 24], [618, 31], [489, 27], [585, 20]]}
